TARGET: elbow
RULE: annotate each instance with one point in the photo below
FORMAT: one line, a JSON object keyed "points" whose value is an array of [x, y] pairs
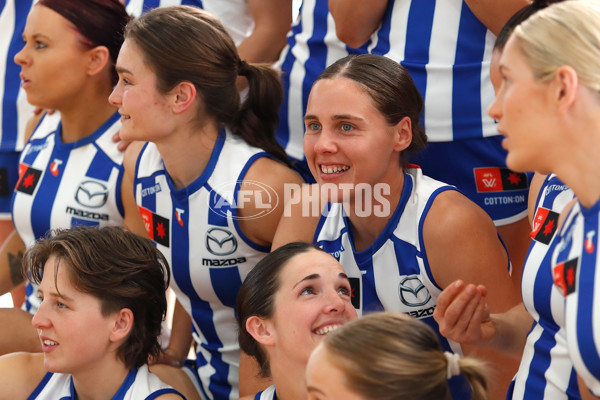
{"points": [[351, 37]]}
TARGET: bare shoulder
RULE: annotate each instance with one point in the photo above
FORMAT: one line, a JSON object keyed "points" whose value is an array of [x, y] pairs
{"points": [[270, 171], [21, 373], [250, 397], [451, 211]]}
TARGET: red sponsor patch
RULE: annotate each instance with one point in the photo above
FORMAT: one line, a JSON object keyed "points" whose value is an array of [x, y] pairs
{"points": [[565, 275]]}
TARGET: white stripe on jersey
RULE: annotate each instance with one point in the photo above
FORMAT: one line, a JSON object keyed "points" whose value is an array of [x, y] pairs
{"points": [[234, 14], [14, 99], [536, 378]]}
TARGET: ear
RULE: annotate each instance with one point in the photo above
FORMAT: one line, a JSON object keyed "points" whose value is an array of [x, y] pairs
{"points": [[121, 325], [566, 83], [261, 330], [402, 134], [99, 57], [183, 96]]}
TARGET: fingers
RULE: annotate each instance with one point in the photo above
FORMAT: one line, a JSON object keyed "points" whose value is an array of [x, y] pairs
{"points": [[123, 144], [460, 310]]}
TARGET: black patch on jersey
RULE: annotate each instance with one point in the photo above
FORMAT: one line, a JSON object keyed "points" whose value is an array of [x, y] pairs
{"points": [[4, 189], [29, 180], [355, 292]]}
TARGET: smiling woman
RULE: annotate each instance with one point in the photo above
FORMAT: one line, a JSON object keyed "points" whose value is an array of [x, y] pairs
{"points": [[294, 296], [102, 294]]}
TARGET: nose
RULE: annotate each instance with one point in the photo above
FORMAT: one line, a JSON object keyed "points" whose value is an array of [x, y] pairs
{"points": [[494, 110], [334, 302], [40, 319], [325, 142], [116, 95], [21, 58]]}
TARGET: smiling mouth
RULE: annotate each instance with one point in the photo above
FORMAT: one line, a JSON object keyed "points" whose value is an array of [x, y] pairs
{"points": [[333, 169], [326, 329]]}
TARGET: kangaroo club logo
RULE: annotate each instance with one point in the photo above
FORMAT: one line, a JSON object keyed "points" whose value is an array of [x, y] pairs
{"points": [[412, 292], [220, 242], [92, 194]]}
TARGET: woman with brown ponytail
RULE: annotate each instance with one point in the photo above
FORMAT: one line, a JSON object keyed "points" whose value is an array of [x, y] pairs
{"points": [[210, 182], [387, 356]]}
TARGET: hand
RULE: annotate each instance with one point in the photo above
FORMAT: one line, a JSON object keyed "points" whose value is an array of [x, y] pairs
{"points": [[462, 314], [123, 144]]}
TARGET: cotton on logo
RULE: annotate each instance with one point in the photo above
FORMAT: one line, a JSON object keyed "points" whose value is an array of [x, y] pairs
{"points": [[54, 166]]}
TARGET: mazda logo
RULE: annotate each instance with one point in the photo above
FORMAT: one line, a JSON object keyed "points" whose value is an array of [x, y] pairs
{"points": [[92, 194], [220, 242], [412, 292]]}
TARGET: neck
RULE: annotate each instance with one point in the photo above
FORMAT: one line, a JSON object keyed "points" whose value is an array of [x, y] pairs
{"points": [[288, 377], [110, 373], [366, 229], [82, 114], [187, 152]]}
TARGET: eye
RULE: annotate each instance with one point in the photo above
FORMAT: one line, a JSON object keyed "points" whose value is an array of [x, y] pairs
{"points": [[61, 305], [40, 45], [313, 126], [345, 127], [307, 290], [344, 291]]}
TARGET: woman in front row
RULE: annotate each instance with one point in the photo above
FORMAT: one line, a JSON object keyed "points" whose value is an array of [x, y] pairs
{"points": [[387, 356], [293, 298], [401, 236], [102, 295]]}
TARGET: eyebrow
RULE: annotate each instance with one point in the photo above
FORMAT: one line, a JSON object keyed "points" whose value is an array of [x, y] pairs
{"points": [[335, 117], [121, 70], [317, 276], [56, 294], [35, 36]]}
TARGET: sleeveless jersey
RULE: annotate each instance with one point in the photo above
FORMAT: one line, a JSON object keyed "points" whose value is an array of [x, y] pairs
{"points": [[267, 394], [139, 384], [234, 14], [574, 265], [546, 371], [393, 274], [312, 45], [15, 110], [197, 230], [62, 185], [444, 47], [447, 52]]}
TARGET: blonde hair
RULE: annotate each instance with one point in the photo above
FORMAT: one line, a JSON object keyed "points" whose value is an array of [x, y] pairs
{"points": [[565, 33], [390, 356]]}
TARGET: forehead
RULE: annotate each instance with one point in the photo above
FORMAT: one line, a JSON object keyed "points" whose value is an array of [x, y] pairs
{"points": [[307, 263], [43, 20], [56, 273], [342, 92]]}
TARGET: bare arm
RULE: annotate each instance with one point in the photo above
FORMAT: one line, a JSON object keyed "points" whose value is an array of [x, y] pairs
{"points": [[11, 256], [356, 20], [272, 21], [20, 373], [534, 190], [262, 209], [493, 13]]}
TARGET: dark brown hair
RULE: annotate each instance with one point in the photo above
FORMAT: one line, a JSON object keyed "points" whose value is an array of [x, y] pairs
{"points": [[257, 296], [120, 269], [184, 43], [101, 22], [391, 87]]}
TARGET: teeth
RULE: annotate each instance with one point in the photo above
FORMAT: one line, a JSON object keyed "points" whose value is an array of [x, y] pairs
{"points": [[333, 169], [48, 342], [325, 330]]}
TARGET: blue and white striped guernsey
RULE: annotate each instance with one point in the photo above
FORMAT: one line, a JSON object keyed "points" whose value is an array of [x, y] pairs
{"points": [[575, 269], [546, 371], [267, 394], [140, 384], [234, 14], [197, 230], [393, 274], [15, 110], [312, 46], [447, 52], [444, 47], [62, 185]]}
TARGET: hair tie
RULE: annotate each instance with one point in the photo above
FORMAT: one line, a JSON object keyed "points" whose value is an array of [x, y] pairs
{"points": [[243, 67], [453, 368]]}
